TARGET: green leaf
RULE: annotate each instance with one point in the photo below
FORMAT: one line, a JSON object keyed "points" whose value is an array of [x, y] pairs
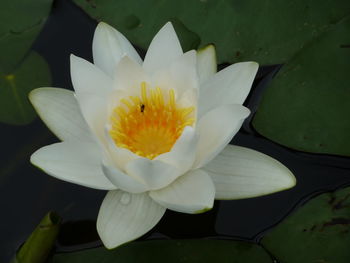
{"points": [[15, 86], [316, 232], [40, 243], [307, 105], [20, 23], [169, 251], [268, 32]]}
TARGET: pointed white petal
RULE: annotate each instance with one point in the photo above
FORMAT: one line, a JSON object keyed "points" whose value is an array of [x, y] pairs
{"points": [[206, 63], [74, 162], [87, 78], [92, 87], [229, 86], [183, 153], [154, 174], [59, 109], [191, 193], [124, 217], [216, 129], [109, 46], [239, 172], [163, 50], [123, 181]]}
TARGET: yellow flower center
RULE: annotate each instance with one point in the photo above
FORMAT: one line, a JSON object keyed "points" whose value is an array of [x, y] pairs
{"points": [[150, 124]]}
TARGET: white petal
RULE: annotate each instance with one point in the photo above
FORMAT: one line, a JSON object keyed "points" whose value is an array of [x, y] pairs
{"points": [[163, 50], [87, 78], [123, 181], [216, 129], [121, 156], [129, 76], [74, 162], [183, 153], [59, 109], [109, 46], [95, 111], [92, 87], [206, 63], [155, 174], [124, 217], [229, 86], [191, 193], [181, 75], [239, 172]]}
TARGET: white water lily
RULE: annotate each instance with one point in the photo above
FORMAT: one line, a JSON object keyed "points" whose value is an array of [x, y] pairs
{"points": [[154, 133]]}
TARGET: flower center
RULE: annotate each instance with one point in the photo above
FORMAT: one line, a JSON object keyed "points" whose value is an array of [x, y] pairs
{"points": [[150, 124]]}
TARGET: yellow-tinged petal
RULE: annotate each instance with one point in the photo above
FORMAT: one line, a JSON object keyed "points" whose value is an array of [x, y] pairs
{"points": [[206, 63]]}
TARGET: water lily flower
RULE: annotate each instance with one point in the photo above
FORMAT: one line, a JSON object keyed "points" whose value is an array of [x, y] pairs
{"points": [[154, 133]]}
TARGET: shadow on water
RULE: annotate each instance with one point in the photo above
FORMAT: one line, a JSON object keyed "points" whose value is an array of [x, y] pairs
{"points": [[26, 193]]}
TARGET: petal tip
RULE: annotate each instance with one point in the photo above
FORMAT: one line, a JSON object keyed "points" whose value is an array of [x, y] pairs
{"points": [[33, 94], [209, 48], [205, 209], [254, 64], [103, 27]]}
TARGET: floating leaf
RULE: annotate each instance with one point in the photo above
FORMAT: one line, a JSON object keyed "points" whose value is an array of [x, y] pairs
{"points": [[20, 23], [316, 232], [40, 243], [169, 251], [307, 105], [268, 32], [15, 86]]}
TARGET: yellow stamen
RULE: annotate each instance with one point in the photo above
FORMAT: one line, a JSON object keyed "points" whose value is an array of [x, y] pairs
{"points": [[149, 125]]}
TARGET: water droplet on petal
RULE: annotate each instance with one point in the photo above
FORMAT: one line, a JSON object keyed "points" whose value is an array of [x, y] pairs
{"points": [[125, 199]]}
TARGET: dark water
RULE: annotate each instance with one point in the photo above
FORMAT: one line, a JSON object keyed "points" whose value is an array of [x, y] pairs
{"points": [[27, 194]]}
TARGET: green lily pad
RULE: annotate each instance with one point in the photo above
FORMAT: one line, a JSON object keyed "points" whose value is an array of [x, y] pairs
{"points": [[318, 232], [15, 86], [169, 251], [268, 32], [20, 23], [307, 105], [40, 243]]}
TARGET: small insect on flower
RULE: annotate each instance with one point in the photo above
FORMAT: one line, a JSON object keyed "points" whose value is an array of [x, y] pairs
{"points": [[142, 107]]}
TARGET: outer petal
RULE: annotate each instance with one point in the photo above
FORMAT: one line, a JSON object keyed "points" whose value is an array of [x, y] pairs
{"points": [[206, 63], [154, 174], [74, 162], [216, 129], [183, 153], [163, 50], [239, 172], [191, 193], [124, 217], [59, 109], [109, 46], [229, 86]]}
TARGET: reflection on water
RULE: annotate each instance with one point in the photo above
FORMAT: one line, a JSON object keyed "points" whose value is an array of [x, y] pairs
{"points": [[27, 194]]}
